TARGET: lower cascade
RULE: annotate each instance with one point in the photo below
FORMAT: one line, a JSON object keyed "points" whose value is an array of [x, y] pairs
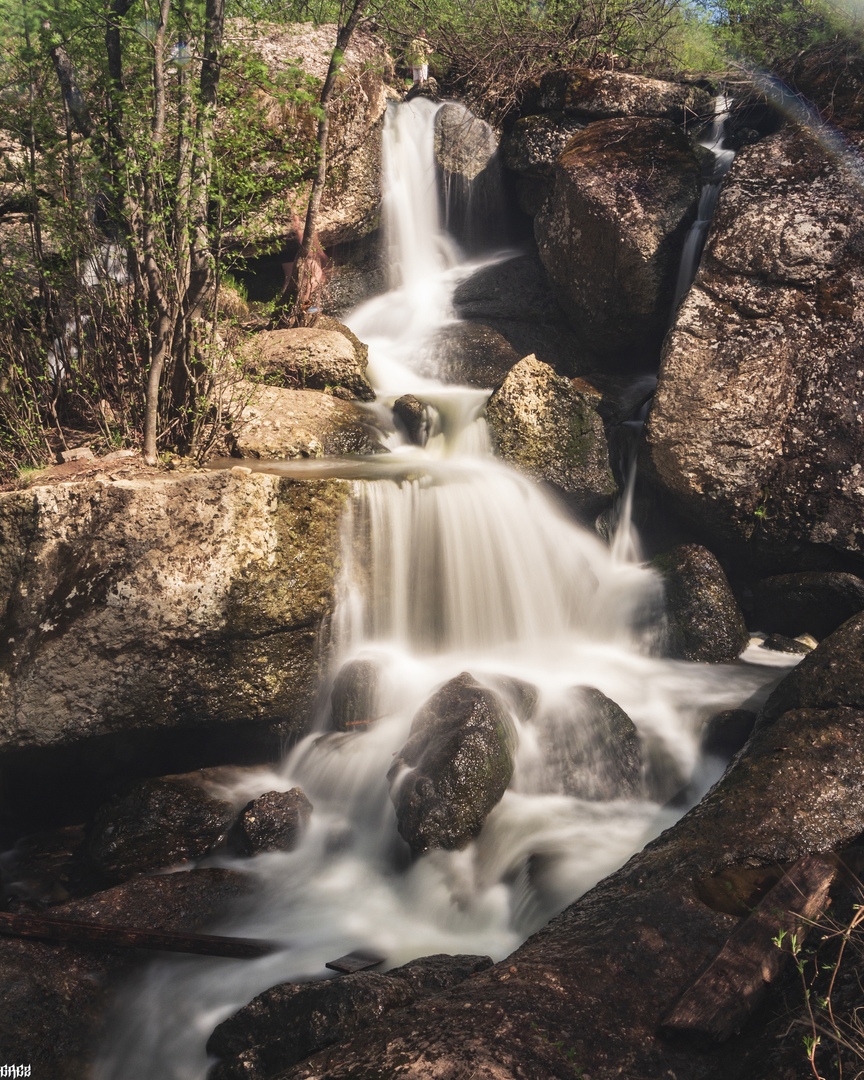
{"points": [[463, 583]]}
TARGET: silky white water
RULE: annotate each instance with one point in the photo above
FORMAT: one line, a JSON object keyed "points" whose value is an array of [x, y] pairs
{"points": [[452, 562]]}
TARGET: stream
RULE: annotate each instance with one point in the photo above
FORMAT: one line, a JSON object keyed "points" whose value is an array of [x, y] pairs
{"points": [[452, 562]]}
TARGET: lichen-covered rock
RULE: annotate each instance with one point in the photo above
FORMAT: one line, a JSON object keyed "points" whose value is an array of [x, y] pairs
{"points": [[602, 95], [814, 602], [55, 995], [273, 822], [755, 431], [530, 150], [289, 1022], [167, 602], [309, 358], [611, 232], [472, 354], [590, 748], [156, 824], [547, 427], [454, 768], [354, 697], [704, 621], [275, 422]]}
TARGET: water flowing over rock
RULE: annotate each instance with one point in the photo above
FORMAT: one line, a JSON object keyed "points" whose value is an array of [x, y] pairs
{"points": [[287, 1023], [466, 152], [309, 358], [473, 354], [612, 230], [154, 824], [354, 698], [755, 430], [704, 620], [163, 603], [546, 426], [454, 768], [275, 422]]}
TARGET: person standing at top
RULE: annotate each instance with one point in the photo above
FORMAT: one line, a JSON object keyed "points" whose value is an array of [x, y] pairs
{"points": [[417, 55]]}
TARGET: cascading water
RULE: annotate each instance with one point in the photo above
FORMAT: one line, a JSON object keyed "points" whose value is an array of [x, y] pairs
{"points": [[721, 163], [452, 562]]}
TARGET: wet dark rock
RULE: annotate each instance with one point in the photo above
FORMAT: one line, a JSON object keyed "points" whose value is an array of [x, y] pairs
{"points": [[591, 748], [704, 621], [547, 427], [522, 697], [275, 821], [725, 733], [830, 677], [813, 602], [780, 643], [412, 414], [612, 230], [55, 996], [354, 697], [473, 354], [289, 1022], [755, 434], [156, 824], [454, 768], [515, 298], [466, 152]]}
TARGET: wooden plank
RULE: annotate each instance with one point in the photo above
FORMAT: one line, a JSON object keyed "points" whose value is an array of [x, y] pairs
{"points": [[355, 961], [67, 930], [718, 1003]]}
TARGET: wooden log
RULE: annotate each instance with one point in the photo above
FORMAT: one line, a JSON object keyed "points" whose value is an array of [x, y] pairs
{"points": [[718, 1003], [80, 933], [355, 961]]}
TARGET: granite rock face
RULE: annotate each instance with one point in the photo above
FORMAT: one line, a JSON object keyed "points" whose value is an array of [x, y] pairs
{"points": [[755, 432]]}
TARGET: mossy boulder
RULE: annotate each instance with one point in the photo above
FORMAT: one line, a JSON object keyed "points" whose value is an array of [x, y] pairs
{"points": [[547, 426], [454, 768], [704, 621]]}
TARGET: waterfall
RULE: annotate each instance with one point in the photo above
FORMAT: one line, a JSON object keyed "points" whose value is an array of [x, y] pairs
{"points": [[721, 163], [451, 562]]}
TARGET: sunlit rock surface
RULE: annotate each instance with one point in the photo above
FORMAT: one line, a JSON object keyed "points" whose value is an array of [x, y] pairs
{"points": [[756, 428]]}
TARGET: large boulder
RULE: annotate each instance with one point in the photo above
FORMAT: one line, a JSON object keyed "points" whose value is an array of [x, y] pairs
{"points": [[473, 354], [350, 205], [466, 153], [277, 422], [454, 768], [813, 602], [755, 430], [547, 427], [162, 603], [309, 358], [287, 1023], [612, 230], [604, 95], [275, 821], [703, 620]]}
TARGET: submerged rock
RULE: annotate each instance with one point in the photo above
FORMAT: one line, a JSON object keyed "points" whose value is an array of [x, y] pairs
{"points": [[704, 621], [310, 358], [287, 1023], [275, 422], [591, 748], [809, 603], [612, 231], [547, 427], [454, 768], [275, 821], [156, 824], [354, 697], [755, 430]]}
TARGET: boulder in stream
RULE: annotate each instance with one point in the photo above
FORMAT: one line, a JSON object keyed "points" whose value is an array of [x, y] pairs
{"points": [[704, 621], [454, 768], [547, 427], [473, 354], [755, 433], [354, 697], [287, 1023], [612, 230], [156, 824], [814, 602], [275, 821], [466, 153]]}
